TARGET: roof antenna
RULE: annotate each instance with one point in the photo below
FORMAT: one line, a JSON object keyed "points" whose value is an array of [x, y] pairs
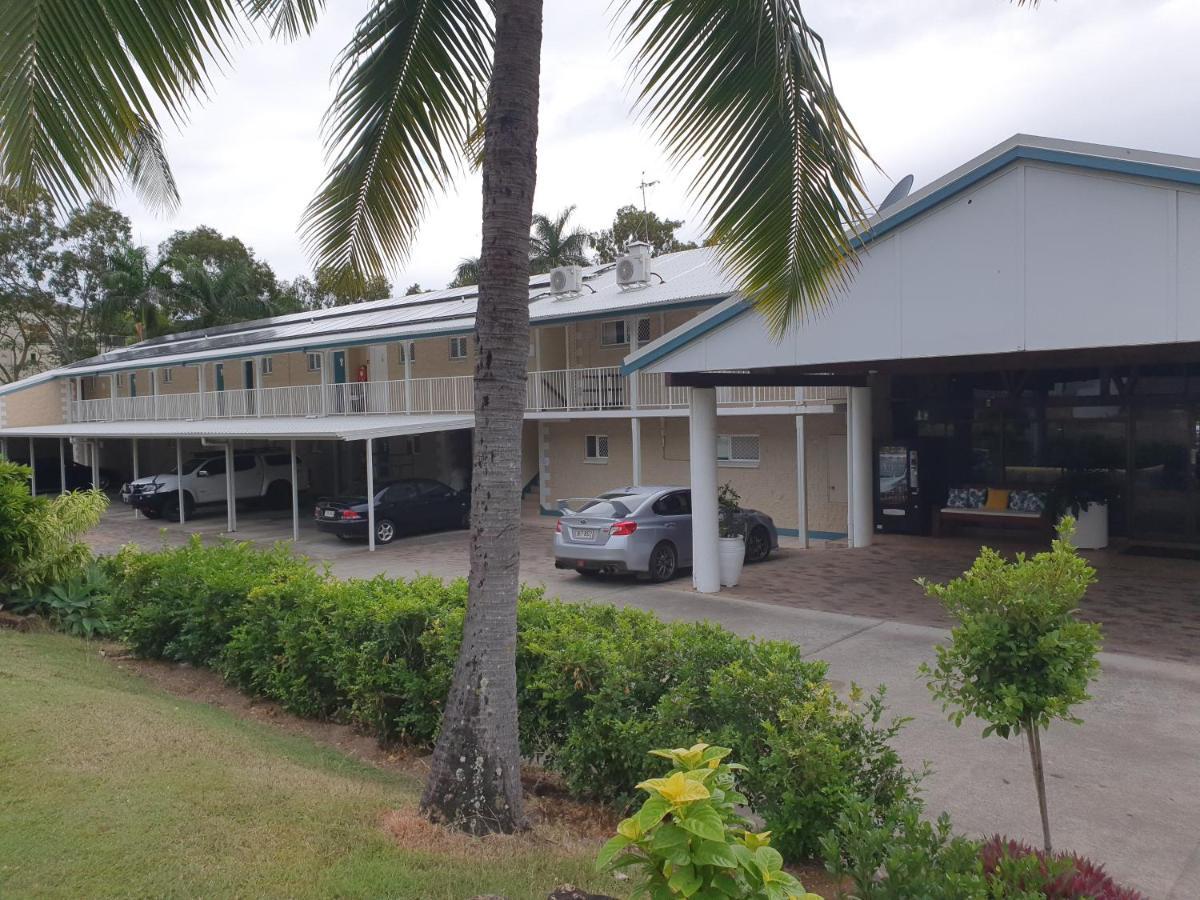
{"points": [[645, 210]]}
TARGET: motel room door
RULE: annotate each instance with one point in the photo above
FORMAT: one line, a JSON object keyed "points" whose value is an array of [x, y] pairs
{"points": [[1165, 490]]}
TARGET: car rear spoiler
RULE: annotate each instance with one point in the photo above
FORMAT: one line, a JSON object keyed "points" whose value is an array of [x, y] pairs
{"points": [[572, 505]]}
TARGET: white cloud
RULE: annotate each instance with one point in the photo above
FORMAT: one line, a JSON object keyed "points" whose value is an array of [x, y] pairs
{"points": [[929, 83]]}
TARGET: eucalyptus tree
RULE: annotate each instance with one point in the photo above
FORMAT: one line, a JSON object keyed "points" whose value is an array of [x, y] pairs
{"points": [[737, 91], [554, 242]]}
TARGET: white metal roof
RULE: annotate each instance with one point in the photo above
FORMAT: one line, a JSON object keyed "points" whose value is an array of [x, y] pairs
{"points": [[333, 428], [684, 278]]}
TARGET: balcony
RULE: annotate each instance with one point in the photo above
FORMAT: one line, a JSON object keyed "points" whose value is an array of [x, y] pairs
{"points": [[602, 389]]}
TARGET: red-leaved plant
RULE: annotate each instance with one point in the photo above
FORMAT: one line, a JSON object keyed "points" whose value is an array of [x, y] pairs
{"points": [[1060, 876]]}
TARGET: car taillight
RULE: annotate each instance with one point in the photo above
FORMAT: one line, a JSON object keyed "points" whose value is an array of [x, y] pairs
{"points": [[558, 527], [621, 529], [350, 514]]}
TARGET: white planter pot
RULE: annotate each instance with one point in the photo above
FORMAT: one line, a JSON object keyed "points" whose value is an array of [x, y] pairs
{"points": [[732, 555], [1091, 528]]}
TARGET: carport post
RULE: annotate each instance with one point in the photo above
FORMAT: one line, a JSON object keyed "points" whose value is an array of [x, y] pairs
{"points": [[801, 484], [179, 476], [860, 525], [230, 493], [295, 498], [702, 433], [94, 453], [136, 473], [371, 494], [62, 467], [32, 470]]}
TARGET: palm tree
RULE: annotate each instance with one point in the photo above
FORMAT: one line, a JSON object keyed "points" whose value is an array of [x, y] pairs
{"points": [[552, 244], [133, 290], [208, 296], [739, 90], [466, 272]]}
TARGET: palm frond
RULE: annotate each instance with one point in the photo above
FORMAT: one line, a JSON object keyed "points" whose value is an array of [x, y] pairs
{"points": [[149, 171], [288, 19], [742, 90], [408, 99], [82, 83]]}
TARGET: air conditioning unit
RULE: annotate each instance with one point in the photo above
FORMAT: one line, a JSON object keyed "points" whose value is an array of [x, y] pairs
{"points": [[566, 280], [633, 268]]}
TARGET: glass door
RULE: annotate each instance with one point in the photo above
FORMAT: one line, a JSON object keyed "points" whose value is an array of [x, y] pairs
{"points": [[1164, 483]]}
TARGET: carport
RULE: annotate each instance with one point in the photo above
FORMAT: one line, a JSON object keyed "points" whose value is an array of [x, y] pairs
{"points": [[221, 433]]}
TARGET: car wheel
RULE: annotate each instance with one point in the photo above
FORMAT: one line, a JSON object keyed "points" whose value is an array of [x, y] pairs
{"points": [[663, 563], [385, 531], [170, 508], [758, 545], [151, 513]]}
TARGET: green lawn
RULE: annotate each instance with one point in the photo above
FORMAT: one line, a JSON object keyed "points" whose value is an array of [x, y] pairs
{"points": [[108, 787]]}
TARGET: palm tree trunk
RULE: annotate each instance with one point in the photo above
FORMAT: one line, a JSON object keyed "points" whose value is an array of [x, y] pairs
{"points": [[1034, 736], [475, 781]]}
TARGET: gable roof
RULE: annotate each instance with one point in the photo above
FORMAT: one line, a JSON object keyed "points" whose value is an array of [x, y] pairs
{"points": [[1183, 170]]}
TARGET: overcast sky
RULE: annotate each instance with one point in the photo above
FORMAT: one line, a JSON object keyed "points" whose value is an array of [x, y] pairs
{"points": [[929, 84]]}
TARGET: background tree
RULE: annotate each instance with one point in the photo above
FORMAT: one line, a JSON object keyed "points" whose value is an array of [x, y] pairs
{"points": [[632, 224], [554, 242], [27, 258], [466, 273], [414, 288], [134, 291], [1019, 657]]}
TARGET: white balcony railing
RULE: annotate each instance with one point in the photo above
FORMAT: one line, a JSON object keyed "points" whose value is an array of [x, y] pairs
{"points": [[563, 390]]}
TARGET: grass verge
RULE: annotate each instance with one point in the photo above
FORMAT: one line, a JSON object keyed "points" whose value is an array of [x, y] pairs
{"points": [[111, 787]]}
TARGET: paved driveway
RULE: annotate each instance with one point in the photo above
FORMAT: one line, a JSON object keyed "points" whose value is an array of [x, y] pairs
{"points": [[1124, 787]]}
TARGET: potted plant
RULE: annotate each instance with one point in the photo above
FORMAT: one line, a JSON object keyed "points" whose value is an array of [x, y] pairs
{"points": [[1084, 494], [732, 524]]}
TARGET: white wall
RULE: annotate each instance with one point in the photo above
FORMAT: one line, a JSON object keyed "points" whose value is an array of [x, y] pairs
{"points": [[1037, 257]]}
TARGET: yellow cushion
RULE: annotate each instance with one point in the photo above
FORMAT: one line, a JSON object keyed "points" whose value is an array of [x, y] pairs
{"points": [[997, 499]]}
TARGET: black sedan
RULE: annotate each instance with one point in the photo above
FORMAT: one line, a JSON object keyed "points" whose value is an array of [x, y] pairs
{"points": [[411, 506], [79, 477]]}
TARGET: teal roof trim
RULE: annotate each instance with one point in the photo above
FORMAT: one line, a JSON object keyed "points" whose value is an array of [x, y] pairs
{"points": [[701, 328]]}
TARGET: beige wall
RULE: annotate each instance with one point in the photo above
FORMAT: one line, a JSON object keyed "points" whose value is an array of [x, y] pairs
{"points": [[39, 405], [770, 487], [432, 359]]}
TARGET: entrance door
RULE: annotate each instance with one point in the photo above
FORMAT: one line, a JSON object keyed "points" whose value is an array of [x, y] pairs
{"points": [[1166, 492], [248, 384], [339, 378]]}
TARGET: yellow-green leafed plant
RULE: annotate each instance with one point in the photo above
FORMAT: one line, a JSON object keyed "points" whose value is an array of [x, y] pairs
{"points": [[688, 840]]}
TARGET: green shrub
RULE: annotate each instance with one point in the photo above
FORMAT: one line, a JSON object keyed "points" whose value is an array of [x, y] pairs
{"points": [[39, 545], [598, 686], [76, 606], [688, 840]]}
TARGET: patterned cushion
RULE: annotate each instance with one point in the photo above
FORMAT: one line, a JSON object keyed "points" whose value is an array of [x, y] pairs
{"points": [[1027, 501], [966, 498]]}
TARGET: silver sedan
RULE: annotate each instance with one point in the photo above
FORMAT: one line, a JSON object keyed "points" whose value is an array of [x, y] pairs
{"points": [[642, 530]]}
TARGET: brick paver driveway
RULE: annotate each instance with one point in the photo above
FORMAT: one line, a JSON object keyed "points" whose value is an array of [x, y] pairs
{"points": [[1148, 606]]}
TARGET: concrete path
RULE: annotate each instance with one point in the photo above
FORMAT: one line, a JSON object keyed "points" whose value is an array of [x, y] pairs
{"points": [[1124, 787]]}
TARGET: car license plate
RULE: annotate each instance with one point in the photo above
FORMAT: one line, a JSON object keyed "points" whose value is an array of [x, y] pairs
{"points": [[330, 514], [583, 534]]}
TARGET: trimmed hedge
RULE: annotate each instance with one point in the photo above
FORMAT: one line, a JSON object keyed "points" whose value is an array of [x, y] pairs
{"points": [[598, 686]]}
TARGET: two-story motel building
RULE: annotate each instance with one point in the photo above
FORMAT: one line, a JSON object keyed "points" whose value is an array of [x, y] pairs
{"points": [[1035, 310]]}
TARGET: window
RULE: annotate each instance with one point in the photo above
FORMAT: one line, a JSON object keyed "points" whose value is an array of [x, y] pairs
{"points": [[409, 348], [676, 504], [615, 334], [596, 448], [268, 365], [168, 375], [120, 379], [243, 463], [458, 348], [215, 466], [737, 450], [314, 362]]}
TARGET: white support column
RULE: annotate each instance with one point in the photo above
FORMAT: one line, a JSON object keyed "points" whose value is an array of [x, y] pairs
{"points": [[62, 467], [295, 497], [136, 473], [179, 478], [407, 346], [371, 494], [702, 434], [635, 429], [94, 452], [230, 491], [32, 470], [325, 390], [200, 387], [154, 392], [635, 424], [801, 484], [860, 512]]}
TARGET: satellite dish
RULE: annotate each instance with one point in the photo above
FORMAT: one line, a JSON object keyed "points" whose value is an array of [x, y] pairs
{"points": [[898, 193]]}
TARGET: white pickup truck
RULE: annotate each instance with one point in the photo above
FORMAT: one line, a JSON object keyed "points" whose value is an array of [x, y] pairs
{"points": [[257, 475]]}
